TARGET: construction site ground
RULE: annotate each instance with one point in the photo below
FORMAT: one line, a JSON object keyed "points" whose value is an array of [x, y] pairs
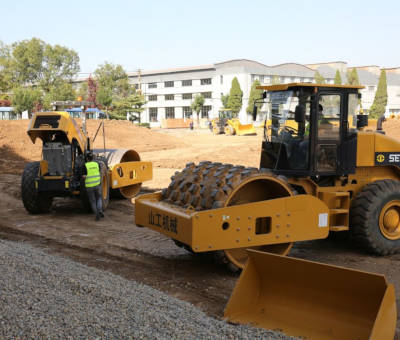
{"points": [[117, 245]]}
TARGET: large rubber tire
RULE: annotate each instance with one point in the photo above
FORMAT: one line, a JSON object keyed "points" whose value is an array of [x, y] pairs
{"points": [[215, 185], [34, 202], [105, 189], [375, 217], [229, 130]]}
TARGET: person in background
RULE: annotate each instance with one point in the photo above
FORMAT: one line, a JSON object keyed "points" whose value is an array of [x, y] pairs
{"points": [[92, 178]]}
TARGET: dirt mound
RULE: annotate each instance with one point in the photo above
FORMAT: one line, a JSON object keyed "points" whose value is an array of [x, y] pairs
{"points": [[392, 128], [16, 148]]}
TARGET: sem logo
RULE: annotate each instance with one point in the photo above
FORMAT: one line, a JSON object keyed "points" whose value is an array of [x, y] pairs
{"points": [[380, 158]]}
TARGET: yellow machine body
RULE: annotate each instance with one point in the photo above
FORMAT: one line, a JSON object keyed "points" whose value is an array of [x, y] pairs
{"points": [[287, 219], [312, 300], [125, 170], [229, 209], [39, 126], [228, 124], [241, 129]]}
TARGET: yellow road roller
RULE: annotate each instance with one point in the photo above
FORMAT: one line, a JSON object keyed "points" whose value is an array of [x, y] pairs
{"points": [[59, 172], [326, 174]]}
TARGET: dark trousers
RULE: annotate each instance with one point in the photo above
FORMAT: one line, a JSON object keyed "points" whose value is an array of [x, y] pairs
{"points": [[96, 202]]}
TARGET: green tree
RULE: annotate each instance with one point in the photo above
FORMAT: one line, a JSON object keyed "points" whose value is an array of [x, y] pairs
{"points": [[224, 100], [352, 77], [197, 105], [60, 92], [5, 68], [254, 94], [37, 63], [25, 99], [338, 78], [380, 101], [83, 90], [319, 79], [104, 97], [114, 78], [131, 106], [60, 65], [235, 97]]}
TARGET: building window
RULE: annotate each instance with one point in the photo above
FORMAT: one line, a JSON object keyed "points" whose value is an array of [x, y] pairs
{"points": [[186, 96], [153, 114], [261, 79], [169, 84], [267, 79], [169, 97], [205, 81], [206, 95], [169, 112], [371, 88], [187, 111], [186, 82], [205, 110], [152, 85], [221, 79], [153, 97]]}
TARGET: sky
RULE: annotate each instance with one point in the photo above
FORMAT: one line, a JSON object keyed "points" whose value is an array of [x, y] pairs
{"points": [[157, 34]]}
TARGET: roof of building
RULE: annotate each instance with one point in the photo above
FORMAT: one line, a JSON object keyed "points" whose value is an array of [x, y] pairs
{"points": [[367, 74], [6, 109], [283, 87]]}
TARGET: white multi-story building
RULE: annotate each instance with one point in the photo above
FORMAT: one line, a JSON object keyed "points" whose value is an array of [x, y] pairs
{"points": [[170, 92]]}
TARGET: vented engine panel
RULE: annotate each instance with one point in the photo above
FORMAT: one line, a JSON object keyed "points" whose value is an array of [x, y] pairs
{"points": [[59, 158]]}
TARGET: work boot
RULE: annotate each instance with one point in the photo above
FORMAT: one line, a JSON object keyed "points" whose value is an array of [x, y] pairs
{"points": [[101, 214], [97, 217]]}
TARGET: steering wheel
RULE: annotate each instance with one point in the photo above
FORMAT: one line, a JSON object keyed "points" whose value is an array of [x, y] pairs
{"points": [[291, 130]]}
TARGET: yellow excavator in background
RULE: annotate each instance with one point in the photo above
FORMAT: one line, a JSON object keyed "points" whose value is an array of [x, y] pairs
{"points": [[321, 176], [228, 124], [59, 172]]}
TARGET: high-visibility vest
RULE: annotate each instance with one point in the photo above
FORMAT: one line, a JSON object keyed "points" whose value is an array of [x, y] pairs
{"points": [[93, 174]]}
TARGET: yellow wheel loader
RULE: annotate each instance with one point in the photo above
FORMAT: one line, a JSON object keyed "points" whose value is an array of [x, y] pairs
{"points": [[325, 175], [59, 173], [228, 124]]}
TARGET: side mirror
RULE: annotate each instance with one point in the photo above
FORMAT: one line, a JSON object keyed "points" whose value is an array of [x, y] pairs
{"points": [[300, 114], [255, 109]]}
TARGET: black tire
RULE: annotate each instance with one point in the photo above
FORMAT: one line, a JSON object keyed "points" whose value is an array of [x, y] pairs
{"points": [[105, 193], [366, 217], [34, 202]]}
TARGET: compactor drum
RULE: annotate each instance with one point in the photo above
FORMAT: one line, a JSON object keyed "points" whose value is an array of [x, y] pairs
{"points": [[60, 172], [320, 172]]}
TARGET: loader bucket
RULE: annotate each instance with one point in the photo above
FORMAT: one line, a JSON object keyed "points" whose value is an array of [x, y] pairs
{"points": [[245, 129], [312, 300]]}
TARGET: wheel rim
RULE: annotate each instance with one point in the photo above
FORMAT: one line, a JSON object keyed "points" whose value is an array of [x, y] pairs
{"points": [[238, 256], [227, 130], [389, 220]]}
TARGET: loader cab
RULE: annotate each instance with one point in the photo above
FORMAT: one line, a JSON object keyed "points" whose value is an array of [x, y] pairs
{"points": [[311, 130]]}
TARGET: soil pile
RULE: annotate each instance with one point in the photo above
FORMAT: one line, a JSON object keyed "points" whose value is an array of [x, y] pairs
{"points": [[392, 128], [16, 148]]}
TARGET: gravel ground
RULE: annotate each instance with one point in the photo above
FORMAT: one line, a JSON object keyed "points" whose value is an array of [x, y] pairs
{"points": [[47, 296]]}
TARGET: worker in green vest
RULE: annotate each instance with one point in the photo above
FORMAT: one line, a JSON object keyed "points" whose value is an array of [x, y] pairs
{"points": [[93, 185]]}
